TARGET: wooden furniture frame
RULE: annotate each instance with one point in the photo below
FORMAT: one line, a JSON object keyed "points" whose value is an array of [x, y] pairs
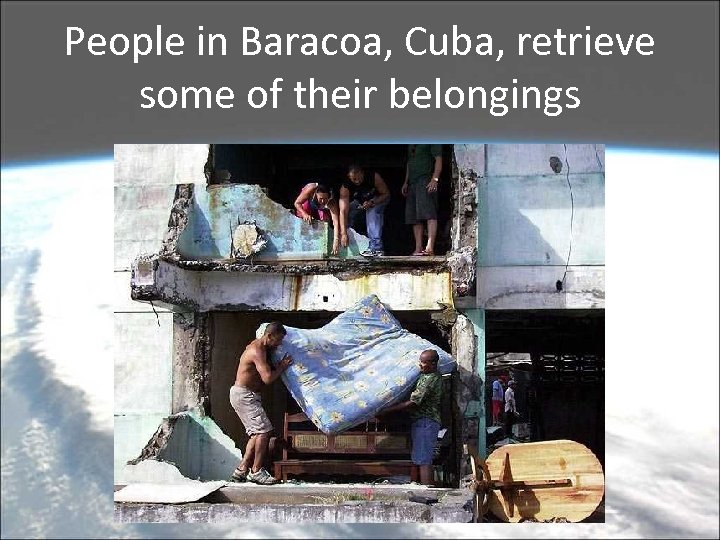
{"points": [[305, 451]]}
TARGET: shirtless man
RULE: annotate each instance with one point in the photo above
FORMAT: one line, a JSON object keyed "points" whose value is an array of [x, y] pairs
{"points": [[253, 373]]}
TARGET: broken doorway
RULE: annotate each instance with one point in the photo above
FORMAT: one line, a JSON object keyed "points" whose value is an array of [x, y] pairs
{"points": [[283, 169], [231, 331], [557, 359]]}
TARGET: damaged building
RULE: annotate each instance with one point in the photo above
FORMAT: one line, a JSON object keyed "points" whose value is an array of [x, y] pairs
{"points": [[207, 249]]}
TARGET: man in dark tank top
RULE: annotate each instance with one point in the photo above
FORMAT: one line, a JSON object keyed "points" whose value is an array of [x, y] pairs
{"points": [[364, 192]]}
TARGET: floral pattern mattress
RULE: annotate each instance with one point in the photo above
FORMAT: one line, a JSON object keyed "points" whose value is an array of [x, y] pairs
{"points": [[359, 363]]}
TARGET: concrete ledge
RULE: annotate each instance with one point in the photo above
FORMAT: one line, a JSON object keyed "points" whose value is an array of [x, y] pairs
{"points": [[308, 503], [229, 291], [346, 512]]}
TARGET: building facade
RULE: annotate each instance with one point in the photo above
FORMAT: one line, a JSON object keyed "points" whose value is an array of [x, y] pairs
{"points": [[520, 269]]}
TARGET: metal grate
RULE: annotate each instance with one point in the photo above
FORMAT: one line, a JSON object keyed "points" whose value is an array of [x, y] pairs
{"points": [[571, 368]]}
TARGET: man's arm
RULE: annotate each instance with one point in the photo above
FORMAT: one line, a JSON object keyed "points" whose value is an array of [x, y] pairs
{"points": [[397, 407], [438, 167], [304, 196], [405, 187], [335, 217], [416, 398], [344, 211], [433, 184], [267, 374], [383, 193]]}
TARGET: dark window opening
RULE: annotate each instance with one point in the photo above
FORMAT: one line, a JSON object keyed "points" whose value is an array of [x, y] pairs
{"points": [[557, 359], [283, 169]]}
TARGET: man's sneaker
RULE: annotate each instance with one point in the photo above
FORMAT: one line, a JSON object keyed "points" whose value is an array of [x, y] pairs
{"points": [[239, 476], [262, 477], [373, 253]]}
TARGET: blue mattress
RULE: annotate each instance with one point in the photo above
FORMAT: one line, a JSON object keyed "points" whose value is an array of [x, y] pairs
{"points": [[359, 363]]}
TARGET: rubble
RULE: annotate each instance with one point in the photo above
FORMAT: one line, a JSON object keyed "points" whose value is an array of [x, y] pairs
{"points": [[247, 240]]}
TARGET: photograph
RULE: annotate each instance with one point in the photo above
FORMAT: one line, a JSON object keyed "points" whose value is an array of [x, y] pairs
{"points": [[359, 333]]}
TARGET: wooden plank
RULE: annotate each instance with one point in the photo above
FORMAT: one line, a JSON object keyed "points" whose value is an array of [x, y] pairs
{"points": [[541, 462], [370, 468]]}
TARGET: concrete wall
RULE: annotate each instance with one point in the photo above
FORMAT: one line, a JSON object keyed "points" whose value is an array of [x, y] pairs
{"points": [[217, 209], [524, 225], [216, 290], [160, 164], [145, 178], [200, 449]]}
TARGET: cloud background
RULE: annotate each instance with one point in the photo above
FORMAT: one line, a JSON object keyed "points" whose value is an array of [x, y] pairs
{"points": [[661, 359]]}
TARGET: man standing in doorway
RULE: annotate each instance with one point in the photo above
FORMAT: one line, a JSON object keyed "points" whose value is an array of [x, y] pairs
{"points": [[253, 373], [424, 407], [510, 408], [420, 189], [497, 401]]}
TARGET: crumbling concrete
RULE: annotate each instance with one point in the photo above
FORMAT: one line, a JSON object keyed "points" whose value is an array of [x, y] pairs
{"points": [[152, 481], [247, 291], [468, 390], [216, 210], [195, 444], [463, 266], [191, 353], [179, 217], [462, 260]]}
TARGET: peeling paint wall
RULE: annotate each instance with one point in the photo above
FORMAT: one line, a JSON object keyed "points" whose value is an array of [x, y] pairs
{"points": [[217, 209], [216, 290]]}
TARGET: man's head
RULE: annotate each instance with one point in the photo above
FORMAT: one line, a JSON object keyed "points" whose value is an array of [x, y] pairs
{"points": [[274, 334], [511, 383], [428, 361], [322, 195], [355, 174]]}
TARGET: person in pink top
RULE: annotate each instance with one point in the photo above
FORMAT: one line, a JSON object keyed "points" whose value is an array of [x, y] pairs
{"points": [[315, 201]]}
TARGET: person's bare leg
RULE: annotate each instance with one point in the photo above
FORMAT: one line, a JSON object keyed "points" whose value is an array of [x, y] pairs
{"points": [[418, 233], [249, 456], [426, 475], [261, 450], [432, 234]]}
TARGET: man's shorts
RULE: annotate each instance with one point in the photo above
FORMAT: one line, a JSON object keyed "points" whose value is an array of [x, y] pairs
{"points": [[424, 432], [496, 406], [420, 205], [248, 407]]}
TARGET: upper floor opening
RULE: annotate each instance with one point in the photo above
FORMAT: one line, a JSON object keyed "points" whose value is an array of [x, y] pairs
{"points": [[282, 170]]}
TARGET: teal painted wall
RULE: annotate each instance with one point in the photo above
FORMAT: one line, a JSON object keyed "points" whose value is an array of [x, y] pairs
{"points": [[524, 208], [217, 209]]}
